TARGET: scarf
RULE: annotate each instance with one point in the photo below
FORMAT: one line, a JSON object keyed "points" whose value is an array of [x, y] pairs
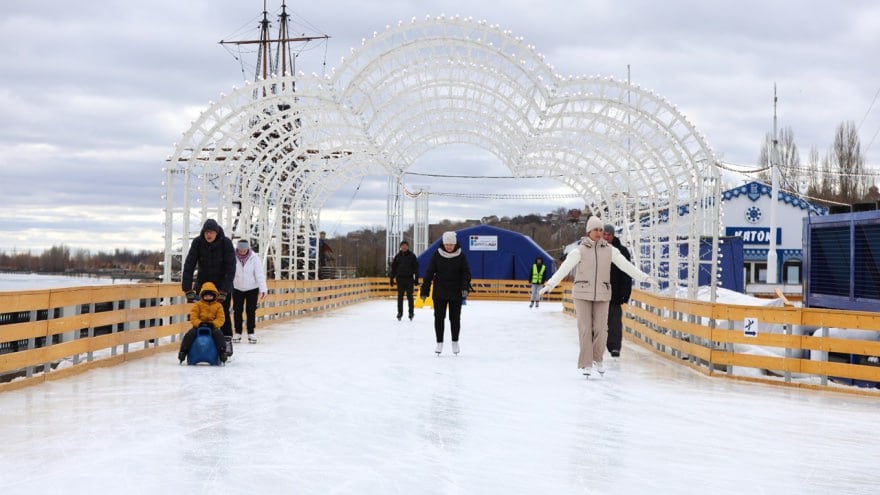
{"points": [[242, 258]]}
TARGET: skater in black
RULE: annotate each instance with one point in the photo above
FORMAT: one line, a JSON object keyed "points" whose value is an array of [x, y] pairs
{"points": [[450, 275], [621, 291], [212, 253], [405, 273]]}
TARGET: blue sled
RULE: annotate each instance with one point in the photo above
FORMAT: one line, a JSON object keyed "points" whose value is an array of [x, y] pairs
{"points": [[203, 349]]}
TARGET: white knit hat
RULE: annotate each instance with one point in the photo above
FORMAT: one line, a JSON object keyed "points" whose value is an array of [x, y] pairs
{"points": [[594, 223], [449, 238]]}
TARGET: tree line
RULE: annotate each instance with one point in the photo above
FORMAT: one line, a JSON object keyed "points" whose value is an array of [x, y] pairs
{"points": [[363, 250], [61, 260], [838, 176]]}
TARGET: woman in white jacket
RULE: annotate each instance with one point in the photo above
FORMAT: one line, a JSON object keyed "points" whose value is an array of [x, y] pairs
{"points": [[248, 286], [591, 291]]}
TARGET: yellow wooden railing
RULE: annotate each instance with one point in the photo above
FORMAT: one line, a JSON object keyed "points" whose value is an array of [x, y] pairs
{"points": [[51, 334], [702, 335], [54, 333]]}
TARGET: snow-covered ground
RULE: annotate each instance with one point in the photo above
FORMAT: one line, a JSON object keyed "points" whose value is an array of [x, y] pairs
{"points": [[35, 281], [356, 402]]}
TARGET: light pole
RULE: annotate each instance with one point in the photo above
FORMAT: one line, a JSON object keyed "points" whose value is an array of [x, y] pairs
{"points": [[772, 276]]}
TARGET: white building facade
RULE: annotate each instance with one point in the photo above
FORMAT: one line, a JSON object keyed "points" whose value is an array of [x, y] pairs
{"points": [[746, 214]]}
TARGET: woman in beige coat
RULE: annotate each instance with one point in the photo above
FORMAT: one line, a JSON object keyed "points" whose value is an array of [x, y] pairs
{"points": [[591, 291]]}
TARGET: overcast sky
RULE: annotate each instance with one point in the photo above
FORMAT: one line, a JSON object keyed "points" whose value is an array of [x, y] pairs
{"points": [[94, 94]]}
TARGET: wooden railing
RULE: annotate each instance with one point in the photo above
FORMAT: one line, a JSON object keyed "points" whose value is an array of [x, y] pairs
{"points": [[712, 338], [51, 334]]}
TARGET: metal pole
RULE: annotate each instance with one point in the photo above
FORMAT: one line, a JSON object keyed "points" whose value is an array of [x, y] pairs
{"points": [[772, 277]]}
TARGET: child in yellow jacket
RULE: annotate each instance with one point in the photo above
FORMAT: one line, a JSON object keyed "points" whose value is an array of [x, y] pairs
{"points": [[207, 311]]}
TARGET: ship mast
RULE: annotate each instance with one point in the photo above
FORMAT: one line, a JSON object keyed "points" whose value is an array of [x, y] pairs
{"points": [[266, 66], [287, 253]]}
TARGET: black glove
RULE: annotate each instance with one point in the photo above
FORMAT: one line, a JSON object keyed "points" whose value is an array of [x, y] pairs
{"points": [[221, 297], [190, 296], [392, 281], [181, 356]]}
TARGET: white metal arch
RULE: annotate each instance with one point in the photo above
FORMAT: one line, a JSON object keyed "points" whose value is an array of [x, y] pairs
{"points": [[263, 159]]}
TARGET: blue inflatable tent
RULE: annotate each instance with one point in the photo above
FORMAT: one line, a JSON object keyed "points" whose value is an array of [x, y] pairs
{"points": [[494, 253]]}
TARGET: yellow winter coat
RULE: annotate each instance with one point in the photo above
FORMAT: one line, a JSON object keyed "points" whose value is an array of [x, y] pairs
{"points": [[207, 313]]}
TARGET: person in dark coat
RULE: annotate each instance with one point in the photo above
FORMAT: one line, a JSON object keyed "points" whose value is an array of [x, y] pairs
{"points": [[214, 257], [450, 275], [621, 291], [405, 273]]}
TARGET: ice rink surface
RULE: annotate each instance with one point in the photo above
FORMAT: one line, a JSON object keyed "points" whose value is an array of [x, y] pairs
{"points": [[355, 402]]}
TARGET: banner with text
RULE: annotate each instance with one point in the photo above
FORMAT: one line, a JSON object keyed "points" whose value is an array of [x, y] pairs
{"points": [[483, 242]]}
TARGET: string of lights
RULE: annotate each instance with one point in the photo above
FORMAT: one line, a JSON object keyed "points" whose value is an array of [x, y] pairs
{"points": [[536, 196], [726, 166], [444, 176]]}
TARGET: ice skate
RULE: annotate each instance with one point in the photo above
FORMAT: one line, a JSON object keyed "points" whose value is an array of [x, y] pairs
{"points": [[600, 368], [237, 338], [439, 348], [587, 371], [399, 316], [252, 339], [455, 348], [411, 316], [532, 304]]}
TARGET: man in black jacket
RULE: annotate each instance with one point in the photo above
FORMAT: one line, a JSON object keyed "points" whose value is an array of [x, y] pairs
{"points": [[621, 290], [404, 272], [212, 253]]}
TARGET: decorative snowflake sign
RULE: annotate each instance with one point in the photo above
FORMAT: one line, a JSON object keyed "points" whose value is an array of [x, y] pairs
{"points": [[753, 214]]}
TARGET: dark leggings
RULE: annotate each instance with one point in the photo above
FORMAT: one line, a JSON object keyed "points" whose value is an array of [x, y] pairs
{"points": [[240, 301], [440, 317], [227, 325], [404, 288], [615, 327]]}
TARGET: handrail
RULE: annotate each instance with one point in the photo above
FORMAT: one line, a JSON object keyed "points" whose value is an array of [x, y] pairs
{"points": [[793, 346], [54, 333]]}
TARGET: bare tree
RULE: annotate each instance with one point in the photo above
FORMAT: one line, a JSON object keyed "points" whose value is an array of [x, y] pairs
{"points": [[828, 184], [789, 160], [55, 259], [846, 153], [813, 174]]}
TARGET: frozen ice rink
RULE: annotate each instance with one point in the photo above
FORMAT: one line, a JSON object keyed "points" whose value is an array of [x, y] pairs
{"points": [[355, 402]]}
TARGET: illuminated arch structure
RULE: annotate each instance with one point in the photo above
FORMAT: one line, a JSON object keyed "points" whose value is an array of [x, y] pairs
{"points": [[264, 159]]}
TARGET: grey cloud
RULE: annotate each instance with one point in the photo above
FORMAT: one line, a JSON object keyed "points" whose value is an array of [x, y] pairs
{"points": [[105, 84]]}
